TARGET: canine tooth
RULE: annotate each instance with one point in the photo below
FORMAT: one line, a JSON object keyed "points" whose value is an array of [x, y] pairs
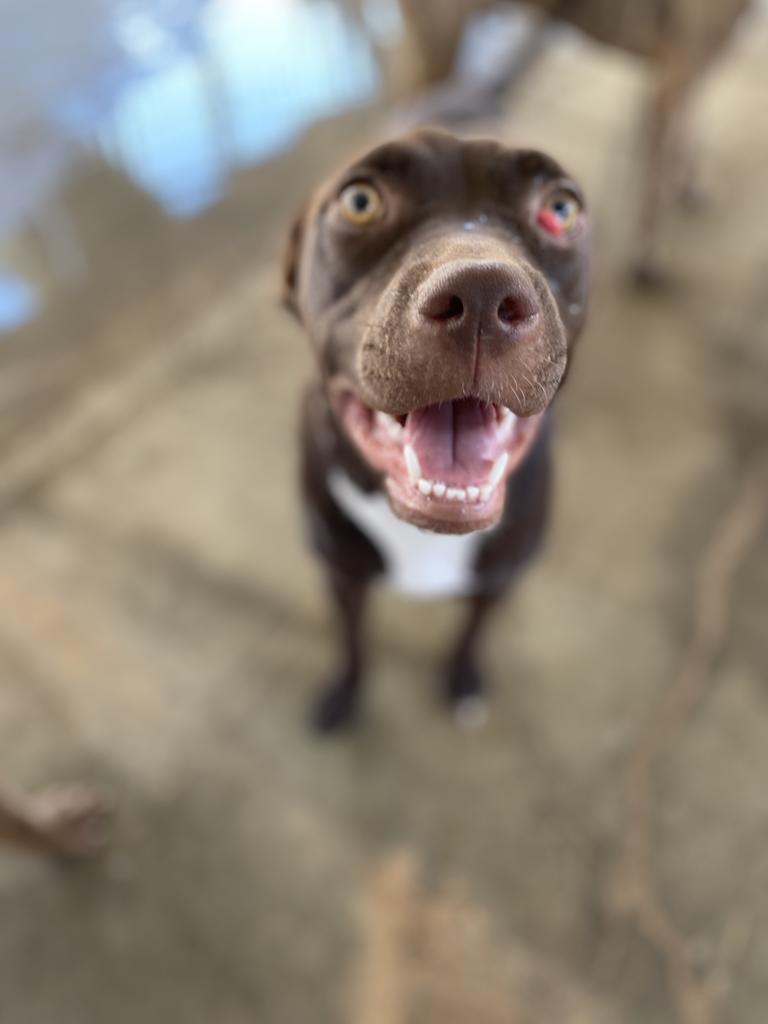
{"points": [[390, 424], [425, 486], [438, 490], [485, 491], [497, 470], [412, 462], [506, 423], [473, 493]]}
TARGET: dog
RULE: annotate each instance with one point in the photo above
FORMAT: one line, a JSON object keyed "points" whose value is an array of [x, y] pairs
{"points": [[66, 822], [443, 284], [679, 39]]}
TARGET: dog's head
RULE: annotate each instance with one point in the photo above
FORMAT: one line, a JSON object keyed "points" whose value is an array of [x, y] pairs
{"points": [[443, 284]]}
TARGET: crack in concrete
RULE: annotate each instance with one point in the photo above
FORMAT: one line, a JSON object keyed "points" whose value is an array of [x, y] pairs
{"points": [[633, 892], [434, 954]]}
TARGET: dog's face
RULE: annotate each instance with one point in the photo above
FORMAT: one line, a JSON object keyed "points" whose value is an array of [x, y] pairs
{"points": [[442, 284]]}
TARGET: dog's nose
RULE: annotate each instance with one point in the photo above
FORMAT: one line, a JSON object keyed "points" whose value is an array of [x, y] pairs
{"points": [[492, 300]]}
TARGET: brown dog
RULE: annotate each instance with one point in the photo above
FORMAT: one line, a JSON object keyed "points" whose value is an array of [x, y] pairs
{"points": [[443, 284], [679, 39]]}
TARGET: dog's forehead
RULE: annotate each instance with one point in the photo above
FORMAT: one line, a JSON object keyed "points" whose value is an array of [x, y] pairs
{"points": [[432, 160]]}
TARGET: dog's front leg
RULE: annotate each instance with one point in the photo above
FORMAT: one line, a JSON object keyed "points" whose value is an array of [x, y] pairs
{"points": [[463, 683], [338, 703]]}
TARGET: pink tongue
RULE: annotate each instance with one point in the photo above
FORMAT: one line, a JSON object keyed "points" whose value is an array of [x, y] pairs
{"points": [[454, 441]]}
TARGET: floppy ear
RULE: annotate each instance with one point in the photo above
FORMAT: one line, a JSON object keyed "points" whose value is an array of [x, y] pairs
{"points": [[290, 267]]}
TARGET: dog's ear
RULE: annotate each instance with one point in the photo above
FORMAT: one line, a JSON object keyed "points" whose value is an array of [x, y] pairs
{"points": [[290, 266]]}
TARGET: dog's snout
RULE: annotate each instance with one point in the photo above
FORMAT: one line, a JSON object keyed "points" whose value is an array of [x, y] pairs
{"points": [[492, 300]]}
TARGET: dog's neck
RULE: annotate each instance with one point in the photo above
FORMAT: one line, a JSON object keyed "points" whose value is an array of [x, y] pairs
{"points": [[418, 563]]}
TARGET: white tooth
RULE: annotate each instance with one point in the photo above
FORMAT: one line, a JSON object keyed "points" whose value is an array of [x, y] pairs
{"points": [[507, 423], [455, 494], [473, 493], [505, 413], [438, 490], [485, 492], [425, 486], [389, 423], [412, 462], [497, 471]]}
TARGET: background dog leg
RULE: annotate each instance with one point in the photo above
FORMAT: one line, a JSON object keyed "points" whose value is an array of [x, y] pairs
{"points": [[690, 188], [67, 822], [667, 127], [339, 700], [428, 56], [464, 688], [688, 184]]}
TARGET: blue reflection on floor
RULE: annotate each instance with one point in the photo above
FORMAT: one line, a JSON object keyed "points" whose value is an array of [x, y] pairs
{"points": [[19, 302], [176, 93], [247, 77]]}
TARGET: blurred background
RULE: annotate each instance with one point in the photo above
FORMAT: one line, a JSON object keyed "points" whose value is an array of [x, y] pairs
{"points": [[597, 852]]}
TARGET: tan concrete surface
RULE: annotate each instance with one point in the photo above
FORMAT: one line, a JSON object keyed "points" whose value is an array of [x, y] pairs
{"points": [[597, 853]]}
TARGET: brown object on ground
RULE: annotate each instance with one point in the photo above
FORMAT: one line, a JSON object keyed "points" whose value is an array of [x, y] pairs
{"points": [[65, 822]]}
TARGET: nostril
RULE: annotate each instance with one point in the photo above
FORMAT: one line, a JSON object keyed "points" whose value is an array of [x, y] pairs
{"points": [[513, 311], [454, 308], [443, 307]]}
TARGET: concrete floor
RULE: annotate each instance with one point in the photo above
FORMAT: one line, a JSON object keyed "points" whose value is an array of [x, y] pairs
{"points": [[597, 853]]}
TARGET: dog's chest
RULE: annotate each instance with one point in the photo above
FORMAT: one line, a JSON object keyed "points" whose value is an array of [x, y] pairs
{"points": [[418, 563]]}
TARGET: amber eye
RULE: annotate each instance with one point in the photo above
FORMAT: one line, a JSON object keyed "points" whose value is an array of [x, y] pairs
{"points": [[559, 213], [360, 203]]}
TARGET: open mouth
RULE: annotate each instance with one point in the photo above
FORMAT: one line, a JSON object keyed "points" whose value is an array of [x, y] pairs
{"points": [[444, 465]]}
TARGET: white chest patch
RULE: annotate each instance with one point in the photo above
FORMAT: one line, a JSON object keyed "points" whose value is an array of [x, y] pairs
{"points": [[418, 563]]}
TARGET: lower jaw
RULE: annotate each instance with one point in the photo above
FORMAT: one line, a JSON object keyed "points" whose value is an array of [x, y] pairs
{"points": [[441, 516]]}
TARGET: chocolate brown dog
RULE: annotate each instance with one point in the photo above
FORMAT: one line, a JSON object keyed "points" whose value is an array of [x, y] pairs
{"points": [[443, 284]]}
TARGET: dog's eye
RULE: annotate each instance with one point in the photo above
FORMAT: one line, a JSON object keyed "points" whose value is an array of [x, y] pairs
{"points": [[559, 213], [360, 203]]}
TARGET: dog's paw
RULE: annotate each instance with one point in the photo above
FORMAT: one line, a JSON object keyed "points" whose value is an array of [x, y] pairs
{"points": [[336, 709], [464, 692], [471, 713], [72, 821]]}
